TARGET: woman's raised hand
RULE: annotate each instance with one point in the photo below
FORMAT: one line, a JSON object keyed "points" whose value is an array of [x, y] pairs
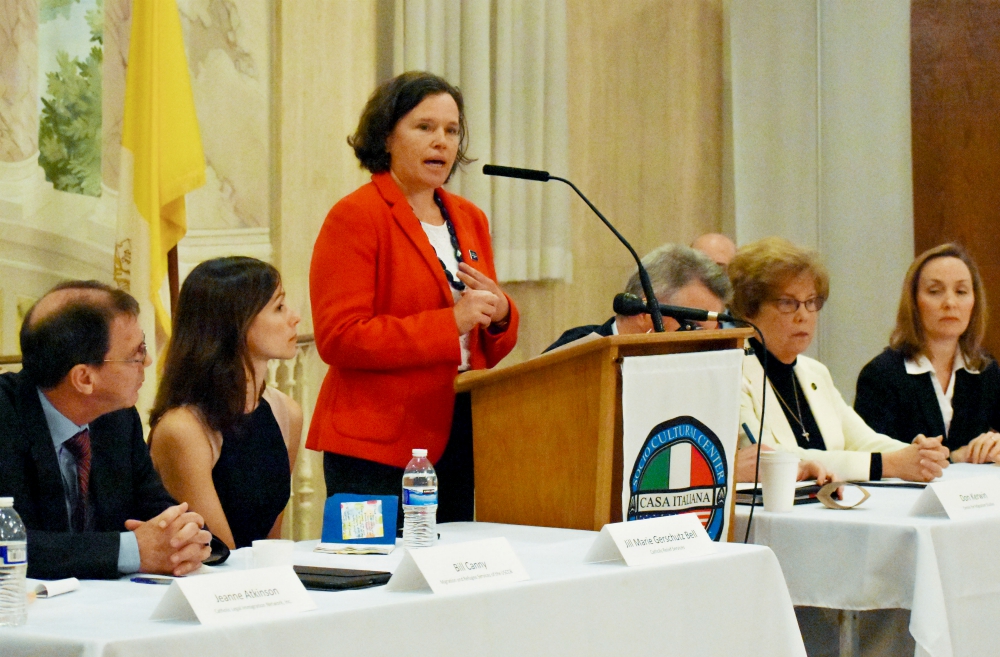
{"points": [[476, 280], [475, 308]]}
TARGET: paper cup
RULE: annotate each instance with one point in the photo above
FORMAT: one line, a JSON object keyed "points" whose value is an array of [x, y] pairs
{"points": [[778, 471], [272, 552]]}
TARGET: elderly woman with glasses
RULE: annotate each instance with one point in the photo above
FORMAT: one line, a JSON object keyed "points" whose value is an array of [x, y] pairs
{"points": [[781, 288]]}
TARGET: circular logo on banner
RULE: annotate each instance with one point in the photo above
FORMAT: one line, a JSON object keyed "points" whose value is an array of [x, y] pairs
{"points": [[681, 468]]}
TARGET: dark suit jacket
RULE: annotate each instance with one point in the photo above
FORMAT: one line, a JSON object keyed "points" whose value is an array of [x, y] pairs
{"points": [[123, 485], [580, 331], [903, 405]]}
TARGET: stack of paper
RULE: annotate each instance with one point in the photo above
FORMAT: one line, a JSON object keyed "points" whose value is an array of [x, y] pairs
{"points": [[355, 548]]}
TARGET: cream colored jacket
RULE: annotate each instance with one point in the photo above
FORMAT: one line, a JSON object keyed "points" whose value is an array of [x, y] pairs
{"points": [[849, 441]]}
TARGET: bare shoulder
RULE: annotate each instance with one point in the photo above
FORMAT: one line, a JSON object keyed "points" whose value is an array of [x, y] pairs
{"points": [[288, 415], [183, 430], [283, 404]]}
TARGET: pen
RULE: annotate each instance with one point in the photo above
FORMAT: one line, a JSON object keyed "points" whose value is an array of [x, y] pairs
{"points": [[150, 580], [746, 429]]}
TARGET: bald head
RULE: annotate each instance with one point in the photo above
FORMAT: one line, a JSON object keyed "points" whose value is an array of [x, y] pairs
{"points": [[70, 325], [59, 298], [716, 246]]}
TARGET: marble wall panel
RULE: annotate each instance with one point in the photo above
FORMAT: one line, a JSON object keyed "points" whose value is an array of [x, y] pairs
{"points": [[229, 52], [18, 79]]}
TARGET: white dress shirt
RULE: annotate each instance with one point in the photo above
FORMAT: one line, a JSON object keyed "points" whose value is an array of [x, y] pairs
{"points": [[922, 365]]}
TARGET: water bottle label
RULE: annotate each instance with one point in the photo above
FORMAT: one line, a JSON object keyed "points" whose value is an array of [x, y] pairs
{"points": [[419, 498], [13, 555]]}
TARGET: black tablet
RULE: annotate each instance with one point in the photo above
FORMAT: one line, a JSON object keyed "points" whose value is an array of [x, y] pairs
{"points": [[336, 579]]}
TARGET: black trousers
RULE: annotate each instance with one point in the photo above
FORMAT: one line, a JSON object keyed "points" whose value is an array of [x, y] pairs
{"points": [[456, 483]]}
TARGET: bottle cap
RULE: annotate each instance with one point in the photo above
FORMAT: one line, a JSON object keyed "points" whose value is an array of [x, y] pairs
{"points": [[416, 452], [6, 501]]}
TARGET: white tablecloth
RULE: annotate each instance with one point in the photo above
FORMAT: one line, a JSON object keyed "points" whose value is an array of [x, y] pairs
{"points": [[876, 556], [698, 607]]}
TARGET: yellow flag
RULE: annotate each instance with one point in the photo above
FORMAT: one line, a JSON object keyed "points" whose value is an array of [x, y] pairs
{"points": [[161, 160], [162, 144]]}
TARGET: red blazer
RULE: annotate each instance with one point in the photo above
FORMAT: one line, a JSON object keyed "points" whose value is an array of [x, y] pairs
{"points": [[383, 320]]}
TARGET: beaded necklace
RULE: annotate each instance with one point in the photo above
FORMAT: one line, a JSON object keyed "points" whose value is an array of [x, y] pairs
{"points": [[455, 284]]}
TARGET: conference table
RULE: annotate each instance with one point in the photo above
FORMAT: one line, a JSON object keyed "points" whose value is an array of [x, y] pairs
{"points": [[733, 602], [878, 556]]}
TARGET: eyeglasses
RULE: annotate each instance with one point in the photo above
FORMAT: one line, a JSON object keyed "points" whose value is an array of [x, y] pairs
{"points": [[788, 305], [140, 356]]}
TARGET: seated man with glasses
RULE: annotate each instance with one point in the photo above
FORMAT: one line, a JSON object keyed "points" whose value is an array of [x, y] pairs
{"points": [[680, 276], [72, 453], [781, 288]]}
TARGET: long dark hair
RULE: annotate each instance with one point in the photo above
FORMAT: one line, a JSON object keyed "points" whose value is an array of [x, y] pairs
{"points": [[208, 363]]}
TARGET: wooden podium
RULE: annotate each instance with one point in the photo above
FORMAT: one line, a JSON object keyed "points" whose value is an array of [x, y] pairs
{"points": [[548, 432]]}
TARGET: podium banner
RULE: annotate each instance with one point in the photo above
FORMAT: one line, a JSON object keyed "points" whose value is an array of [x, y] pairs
{"points": [[680, 423]]}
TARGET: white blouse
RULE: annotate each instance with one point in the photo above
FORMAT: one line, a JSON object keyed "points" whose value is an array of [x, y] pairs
{"points": [[440, 239], [922, 365]]}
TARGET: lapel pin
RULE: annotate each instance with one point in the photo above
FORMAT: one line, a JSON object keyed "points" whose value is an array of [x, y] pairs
{"points": [[473, 255], [814, 386]]}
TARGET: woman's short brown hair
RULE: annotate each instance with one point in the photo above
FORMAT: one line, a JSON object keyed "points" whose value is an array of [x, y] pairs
{"points": [[760, 269], [908, 336], [391, 101]]}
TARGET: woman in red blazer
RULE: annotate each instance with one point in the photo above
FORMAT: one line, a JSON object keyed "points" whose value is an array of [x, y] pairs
{"points": [[404, 296]]}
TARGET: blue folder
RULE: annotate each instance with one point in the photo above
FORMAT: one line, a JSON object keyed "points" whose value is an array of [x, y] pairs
{"points": [[333, 531]]}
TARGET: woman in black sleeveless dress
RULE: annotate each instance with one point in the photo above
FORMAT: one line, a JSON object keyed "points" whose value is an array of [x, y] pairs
{"points": [[222, 440]]}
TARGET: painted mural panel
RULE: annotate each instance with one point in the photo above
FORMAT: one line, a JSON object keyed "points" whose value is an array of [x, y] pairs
{"points": [[70, 54], [228, 48], [62, 89]]}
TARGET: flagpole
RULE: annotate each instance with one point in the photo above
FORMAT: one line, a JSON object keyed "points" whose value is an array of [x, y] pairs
{"points": [[172, 277]]}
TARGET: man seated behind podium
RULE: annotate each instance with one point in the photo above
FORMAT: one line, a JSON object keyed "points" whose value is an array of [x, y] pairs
{"points": [[72, 453], [683, 276], [680, 276]]}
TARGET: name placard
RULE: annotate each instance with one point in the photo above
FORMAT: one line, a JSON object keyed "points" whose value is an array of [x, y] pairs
{"points": [[238, 596], [655, 540], [471, 566], [970, 497]]}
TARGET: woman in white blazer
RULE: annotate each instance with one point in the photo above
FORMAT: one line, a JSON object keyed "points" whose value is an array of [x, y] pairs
{"points": [[781, 288]]}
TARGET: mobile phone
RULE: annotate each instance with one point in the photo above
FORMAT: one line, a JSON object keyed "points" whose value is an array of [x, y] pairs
{"points": [[336, 579]]}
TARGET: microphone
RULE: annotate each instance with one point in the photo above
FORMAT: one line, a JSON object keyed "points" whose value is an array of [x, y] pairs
{"points": [[543, 176], [629, 304], [514, 172]]}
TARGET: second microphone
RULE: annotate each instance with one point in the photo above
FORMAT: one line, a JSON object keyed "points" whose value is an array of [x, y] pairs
{"points": [[629, 304]]}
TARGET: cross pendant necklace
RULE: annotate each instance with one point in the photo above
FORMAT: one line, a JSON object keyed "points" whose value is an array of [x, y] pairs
{"points": [[798, 407], [795, 391]]}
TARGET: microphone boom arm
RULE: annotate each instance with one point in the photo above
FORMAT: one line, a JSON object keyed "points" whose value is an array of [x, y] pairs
{"points": [[647, 287]]}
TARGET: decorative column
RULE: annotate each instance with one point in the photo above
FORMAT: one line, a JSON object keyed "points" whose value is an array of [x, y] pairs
{"points": [[117, 23], [18, 79], [20, 176]]}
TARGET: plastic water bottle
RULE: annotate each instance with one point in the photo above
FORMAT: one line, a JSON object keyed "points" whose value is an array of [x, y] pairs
{"points": [[13, 565], [420, 502]]}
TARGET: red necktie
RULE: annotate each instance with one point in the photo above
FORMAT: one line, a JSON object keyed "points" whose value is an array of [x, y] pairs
{"points": [[79, 446]]}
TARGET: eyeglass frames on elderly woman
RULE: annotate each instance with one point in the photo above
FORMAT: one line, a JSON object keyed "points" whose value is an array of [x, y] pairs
{"points": [[788, 305], [140, 355]]}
